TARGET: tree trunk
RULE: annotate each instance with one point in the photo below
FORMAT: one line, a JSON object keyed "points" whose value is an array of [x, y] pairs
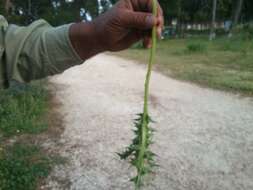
{"points": [[8, 6], [179, 19], [212, 31], [29, 7], [237, 12]]}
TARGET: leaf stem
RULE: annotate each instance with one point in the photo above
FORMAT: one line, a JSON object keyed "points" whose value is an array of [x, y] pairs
{"points": [[144, 130], [151, 61], [138, 152]]}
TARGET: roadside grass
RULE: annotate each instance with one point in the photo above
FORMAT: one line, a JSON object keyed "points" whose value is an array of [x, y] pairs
{"points": [[22, 110], [225, 64], [23, 116], [196, 47], [21, 166]]}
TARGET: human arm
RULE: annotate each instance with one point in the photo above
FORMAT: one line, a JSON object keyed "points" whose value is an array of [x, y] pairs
{"points": [[40, 50], [35, 51]]}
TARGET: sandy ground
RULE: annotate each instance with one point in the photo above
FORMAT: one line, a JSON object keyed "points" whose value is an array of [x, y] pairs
{"points": [[204, 138]]}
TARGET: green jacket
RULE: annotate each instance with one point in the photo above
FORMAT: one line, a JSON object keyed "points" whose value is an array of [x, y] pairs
{"points": [[34, 52]]}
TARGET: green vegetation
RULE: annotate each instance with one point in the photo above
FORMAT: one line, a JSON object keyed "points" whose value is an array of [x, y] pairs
{"points": [[21, 166], [22, 115], [196, 47], [225, 64], [22, 110], [139, 151]]}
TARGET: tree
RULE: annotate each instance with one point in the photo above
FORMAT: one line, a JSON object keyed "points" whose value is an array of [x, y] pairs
{"points": [[248, 10], [59, 12], [7, 6], [212, 32], [56, 12], [170, 9], [2, 10], [237, 12]]}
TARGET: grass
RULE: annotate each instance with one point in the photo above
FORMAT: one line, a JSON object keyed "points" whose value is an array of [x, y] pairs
{"points": [[22, 110], [225, 64], [196, 47], [21, 166], [23, 163]]}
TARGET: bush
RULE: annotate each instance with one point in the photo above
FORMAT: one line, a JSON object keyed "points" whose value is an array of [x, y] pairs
{"points": [[232, 45], [196, 47], [237, 43], [244, 29]]}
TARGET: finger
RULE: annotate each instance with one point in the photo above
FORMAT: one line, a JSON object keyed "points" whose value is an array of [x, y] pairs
{"points": [[142, 5], [147, 42], [160, 10], [160, 17], [130, 39], [145, 5], [138, 20], [160, 25]]}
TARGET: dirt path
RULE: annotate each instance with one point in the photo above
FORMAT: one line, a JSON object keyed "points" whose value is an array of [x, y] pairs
{"points": [[204, 138]]}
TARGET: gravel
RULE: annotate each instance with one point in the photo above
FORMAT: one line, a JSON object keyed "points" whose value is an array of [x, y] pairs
{"points": [[204, 138]]}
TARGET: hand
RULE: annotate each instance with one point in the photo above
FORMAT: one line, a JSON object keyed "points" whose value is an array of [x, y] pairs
{"points": [[128, 22]]}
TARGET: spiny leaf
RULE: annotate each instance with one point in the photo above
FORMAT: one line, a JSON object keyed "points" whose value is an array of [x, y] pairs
{"points": [[138, 152]]}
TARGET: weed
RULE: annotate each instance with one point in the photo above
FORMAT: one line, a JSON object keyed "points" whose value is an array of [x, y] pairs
{"points": [[21, 166], [138, 152], [21, 110]]}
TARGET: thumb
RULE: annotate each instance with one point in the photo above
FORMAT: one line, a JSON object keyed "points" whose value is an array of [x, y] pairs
{"points": [[138, 20]]}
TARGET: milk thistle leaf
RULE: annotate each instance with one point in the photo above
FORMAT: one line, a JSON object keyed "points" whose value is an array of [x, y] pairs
{"points": [[139, 152]]}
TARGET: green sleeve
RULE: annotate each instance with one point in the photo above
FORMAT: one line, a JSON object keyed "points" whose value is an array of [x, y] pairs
{"points": [[37, 51]]}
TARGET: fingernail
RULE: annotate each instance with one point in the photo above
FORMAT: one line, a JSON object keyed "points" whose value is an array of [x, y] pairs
{"points": [[150, 20]]}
